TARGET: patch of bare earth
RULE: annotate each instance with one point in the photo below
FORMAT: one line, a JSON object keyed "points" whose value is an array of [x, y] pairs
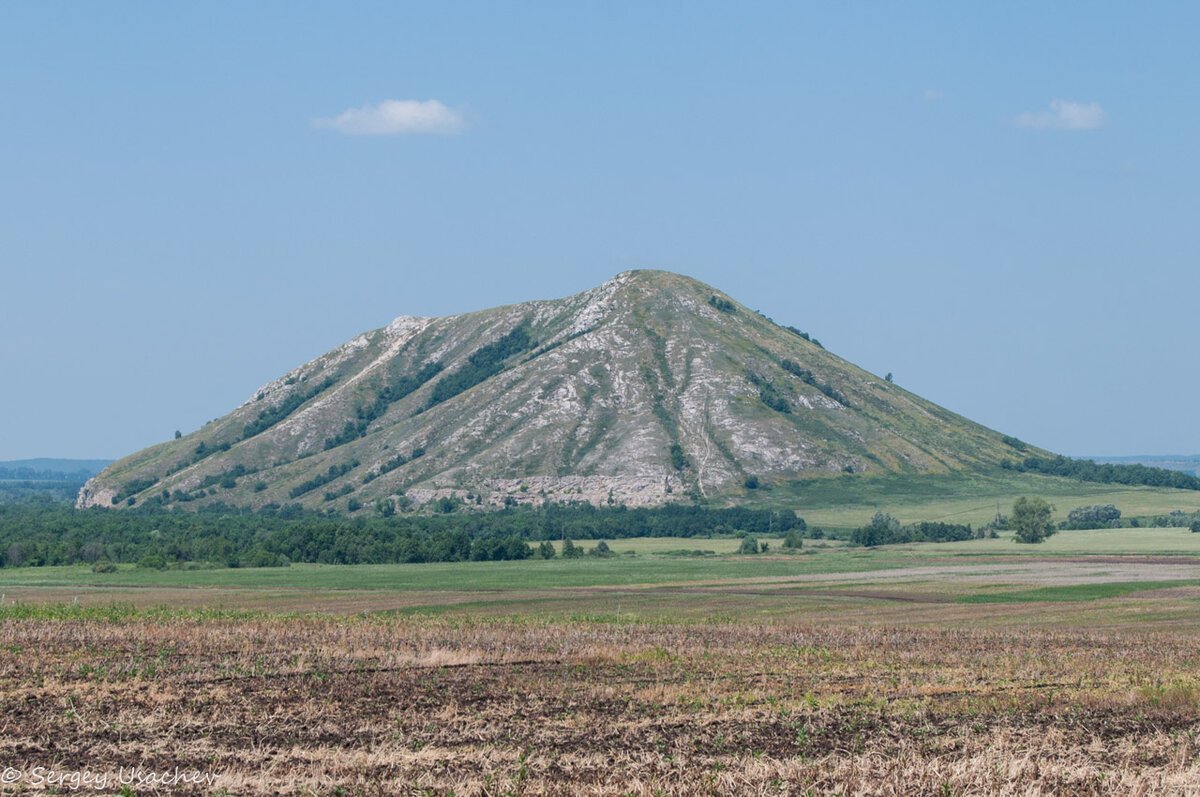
{"points": [[335, 706]]}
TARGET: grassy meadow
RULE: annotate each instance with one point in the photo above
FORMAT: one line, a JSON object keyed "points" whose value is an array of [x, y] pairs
{"points": [[847, 502]]}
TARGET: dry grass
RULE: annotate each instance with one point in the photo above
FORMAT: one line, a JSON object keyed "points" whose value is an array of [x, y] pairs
{"points": [[419, 706]]}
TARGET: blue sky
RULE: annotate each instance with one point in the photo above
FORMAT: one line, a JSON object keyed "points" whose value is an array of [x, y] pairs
{"points": [[997, 203]]}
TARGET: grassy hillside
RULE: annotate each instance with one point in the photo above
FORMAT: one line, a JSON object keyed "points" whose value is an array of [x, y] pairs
{"points": [[651, 388]]}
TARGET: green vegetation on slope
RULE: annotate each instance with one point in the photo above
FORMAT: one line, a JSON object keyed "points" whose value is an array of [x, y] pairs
{"points": [[806, 376], [485, 362], [270, 416], [366, 414]]}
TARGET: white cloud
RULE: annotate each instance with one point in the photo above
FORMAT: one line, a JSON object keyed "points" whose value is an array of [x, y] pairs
{"points": [[395, 118], [1064, 115], [933, 95]]}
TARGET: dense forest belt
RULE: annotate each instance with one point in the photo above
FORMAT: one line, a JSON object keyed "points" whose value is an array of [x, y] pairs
{"points": [[53, 534]]}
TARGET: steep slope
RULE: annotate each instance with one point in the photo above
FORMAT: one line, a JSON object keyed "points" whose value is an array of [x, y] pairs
{"points": [[649, 388]]}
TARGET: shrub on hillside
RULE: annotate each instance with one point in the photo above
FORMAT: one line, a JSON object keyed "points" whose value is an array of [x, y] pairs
{"points": [[801, 334], [679, 460], [724, 305], [1013, 442]]}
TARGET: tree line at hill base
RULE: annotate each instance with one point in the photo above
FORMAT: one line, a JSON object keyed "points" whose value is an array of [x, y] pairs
{"points": [[45, 533], [1030, 522], [1086, 470]]}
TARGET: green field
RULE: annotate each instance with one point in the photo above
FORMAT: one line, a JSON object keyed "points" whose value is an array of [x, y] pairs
{"points": [[1147, 542], [1075, 592], [477, 576], [1093, 577], [849, 501], [1142, 575]]}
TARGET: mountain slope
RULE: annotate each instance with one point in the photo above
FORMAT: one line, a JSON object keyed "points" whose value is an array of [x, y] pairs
{"points": [[651, 387]]}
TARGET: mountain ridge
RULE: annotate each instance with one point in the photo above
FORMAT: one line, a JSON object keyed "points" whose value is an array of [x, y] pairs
{"points": [[652, 387]]}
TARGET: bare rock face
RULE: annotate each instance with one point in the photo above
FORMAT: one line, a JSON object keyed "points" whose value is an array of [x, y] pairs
{"points": [[650, 388], [93, 493]]}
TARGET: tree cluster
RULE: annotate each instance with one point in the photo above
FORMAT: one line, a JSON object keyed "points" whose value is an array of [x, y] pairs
{"points": [[1102, 516], [1088, 471], [887, 530], [1177, 520]]}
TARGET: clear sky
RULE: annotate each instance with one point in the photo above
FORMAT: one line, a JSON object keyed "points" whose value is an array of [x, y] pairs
{"points": [[997, 202]]}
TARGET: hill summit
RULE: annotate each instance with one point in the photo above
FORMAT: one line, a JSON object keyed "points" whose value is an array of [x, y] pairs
{"points": [[650, 388]]}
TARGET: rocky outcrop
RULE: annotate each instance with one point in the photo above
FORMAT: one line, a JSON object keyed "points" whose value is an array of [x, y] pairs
{"points": [[94, 493]]}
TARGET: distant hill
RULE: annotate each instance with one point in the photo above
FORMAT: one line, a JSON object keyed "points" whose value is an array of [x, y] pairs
{"points": [[45, 479], [1187, 464], [46, 469], [650, 388]]}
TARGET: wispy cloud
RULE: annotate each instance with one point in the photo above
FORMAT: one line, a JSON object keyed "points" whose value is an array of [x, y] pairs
{"points": [[1064, 115], [933, 95], [395, 118]]}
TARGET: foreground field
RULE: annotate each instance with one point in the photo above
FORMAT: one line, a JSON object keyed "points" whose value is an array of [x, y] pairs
{"points": [[973, 668], [371, 706]]}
